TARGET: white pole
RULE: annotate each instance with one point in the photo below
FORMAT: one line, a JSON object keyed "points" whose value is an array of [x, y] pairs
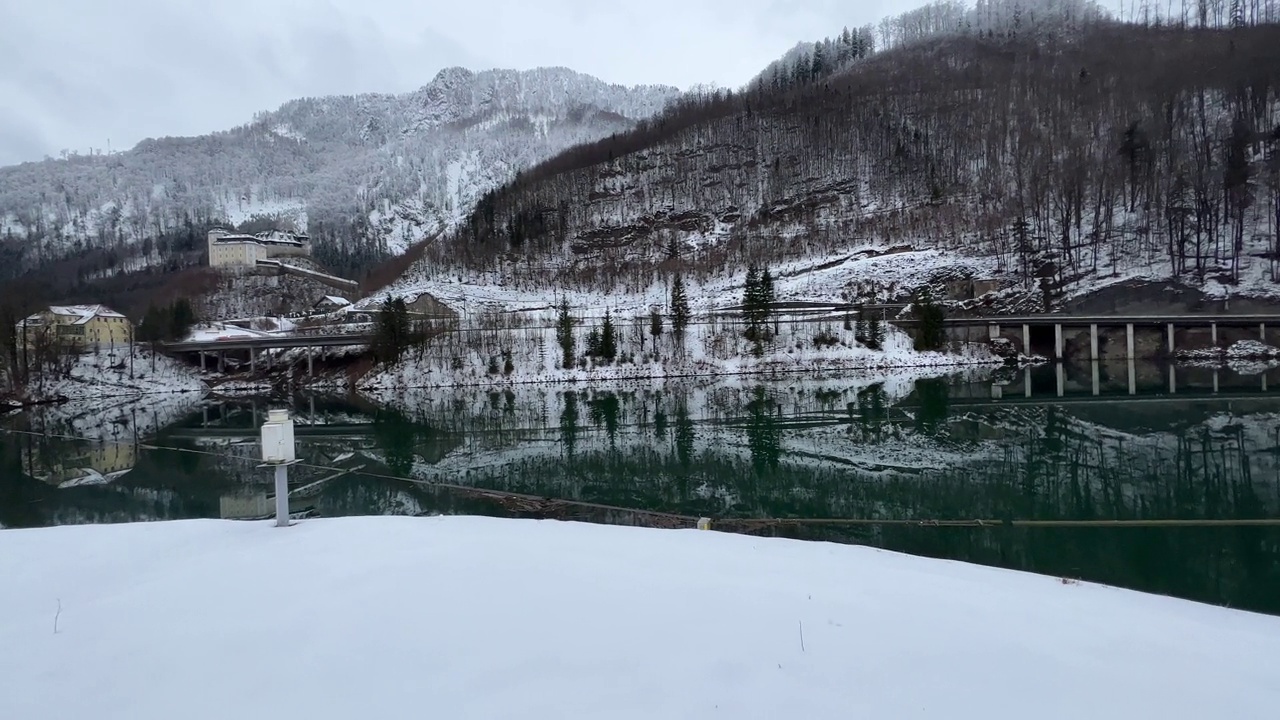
{"points": [[282, 495]]}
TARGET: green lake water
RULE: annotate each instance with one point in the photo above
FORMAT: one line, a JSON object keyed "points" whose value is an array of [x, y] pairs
{"points": [[1048, 444]]}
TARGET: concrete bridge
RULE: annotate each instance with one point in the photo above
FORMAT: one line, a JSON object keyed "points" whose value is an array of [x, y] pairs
{"points": [[254, 345], [1169, 324]]}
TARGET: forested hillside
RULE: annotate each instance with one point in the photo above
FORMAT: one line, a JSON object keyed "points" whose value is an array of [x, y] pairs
{"points": [[1063, 147], [367, 175]]}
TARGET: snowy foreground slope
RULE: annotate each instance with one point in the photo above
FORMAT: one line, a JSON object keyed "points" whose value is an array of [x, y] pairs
{"points": [[470, 617]]}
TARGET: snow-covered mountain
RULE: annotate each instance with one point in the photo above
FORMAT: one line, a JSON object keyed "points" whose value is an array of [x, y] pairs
{"points": [[1039, 146], [368, 174]]}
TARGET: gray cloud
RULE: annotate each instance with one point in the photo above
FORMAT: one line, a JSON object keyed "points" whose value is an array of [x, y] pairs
{"points": [[77, 73]]}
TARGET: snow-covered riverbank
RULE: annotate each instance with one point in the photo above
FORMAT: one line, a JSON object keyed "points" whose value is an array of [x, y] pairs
{"points": [[471, 617], [113, 374]]}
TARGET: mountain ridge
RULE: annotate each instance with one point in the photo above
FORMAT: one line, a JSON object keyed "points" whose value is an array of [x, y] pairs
{"points": [[374, 170]]}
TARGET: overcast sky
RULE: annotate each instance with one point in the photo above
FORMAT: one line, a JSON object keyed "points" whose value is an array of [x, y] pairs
{"points": [[76, 74]]}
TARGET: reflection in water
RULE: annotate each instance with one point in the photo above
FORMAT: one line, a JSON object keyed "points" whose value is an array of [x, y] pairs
{"points": [[885, 448]]}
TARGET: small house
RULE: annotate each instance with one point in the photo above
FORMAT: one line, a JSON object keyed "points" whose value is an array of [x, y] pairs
{"points": [[330, 303]]}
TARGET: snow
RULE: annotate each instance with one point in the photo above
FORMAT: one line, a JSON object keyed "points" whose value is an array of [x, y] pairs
{"points": [[477, 617], [241, 209], [111, 373], [1247, 357]]}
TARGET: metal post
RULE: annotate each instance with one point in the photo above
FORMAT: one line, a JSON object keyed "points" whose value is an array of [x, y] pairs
{"points": [[1057, 341], [1213, 333], [201, 361], [1173, 379], [253, 361], [222, 361], [1262, 332], [1215, 381], [1170, 330], [282, 495], [310, 368], [1097, 377], [1026, 381], [1133, 378], [1093, 341], [1062, 379], [1026, 339], [1128, 332]]}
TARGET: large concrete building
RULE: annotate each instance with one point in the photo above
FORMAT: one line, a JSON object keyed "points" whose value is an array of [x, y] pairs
{"points": [[228, 249]]}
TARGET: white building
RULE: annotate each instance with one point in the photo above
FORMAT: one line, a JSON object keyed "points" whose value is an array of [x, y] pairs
{"points": [[227, 249]]}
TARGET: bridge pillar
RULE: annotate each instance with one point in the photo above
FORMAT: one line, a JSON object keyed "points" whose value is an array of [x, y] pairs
{"points": [[1128, 339], [253, 363], [997, 391], [1097, 377], [1093, 341], [993, 331], [201, 361], [310, 361], [1213, 333], [1057, 341], [1026, 339], [1264, 382], [1262, 332], [1133, 377], [1026, 381], [1169, 329], [1215, 381], [222, 361], [1173, 379], [1061, 373]]}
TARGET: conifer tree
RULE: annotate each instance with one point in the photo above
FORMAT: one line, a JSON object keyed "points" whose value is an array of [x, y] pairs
{"points": [[931, 334], [679, 308], [608, 338], [564, 334]]}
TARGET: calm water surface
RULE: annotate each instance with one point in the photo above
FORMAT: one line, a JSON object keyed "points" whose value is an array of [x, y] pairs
{"points": [[1069, 444]]}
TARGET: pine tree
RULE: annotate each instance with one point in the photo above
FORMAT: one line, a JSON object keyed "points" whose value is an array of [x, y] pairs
{"points": [[751, 303], [391, 332], [181, 318], [655, 327], [608, 338], [766, 297], [564, 334], [931, 334], [593, 343], [679, 308], [875, 333]]}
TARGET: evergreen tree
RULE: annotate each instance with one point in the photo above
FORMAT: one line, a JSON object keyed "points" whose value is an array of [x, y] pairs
{"points": [[594, 348], [679, 308], [564, 334], [655, 327], [767, 297], [181, 318], [875, 333], [391, 331], [931, 333], [608, 339], [751, 303]]}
